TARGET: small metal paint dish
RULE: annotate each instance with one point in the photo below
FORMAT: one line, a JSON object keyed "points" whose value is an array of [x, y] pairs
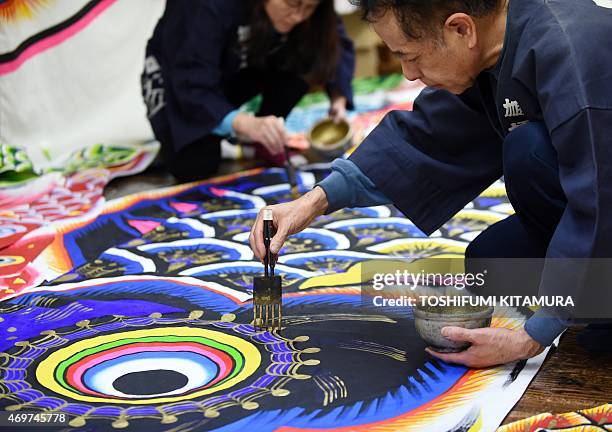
{"points": [[330, 140], [429, 322]]}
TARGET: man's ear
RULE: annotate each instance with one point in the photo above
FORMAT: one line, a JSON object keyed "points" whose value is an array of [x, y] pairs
{"points": [[462, 26]]}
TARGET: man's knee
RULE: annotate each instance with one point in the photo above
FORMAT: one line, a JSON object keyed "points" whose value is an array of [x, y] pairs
{"points": [[527, 151], [506, 239], [531, 172], [481, 247]]}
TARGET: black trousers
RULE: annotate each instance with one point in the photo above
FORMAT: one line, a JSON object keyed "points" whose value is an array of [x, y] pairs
{"points": [[280, 91], [532, 182]]}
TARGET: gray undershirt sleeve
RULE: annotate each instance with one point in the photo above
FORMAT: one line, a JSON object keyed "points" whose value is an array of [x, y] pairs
{"points": [[348, 186]]}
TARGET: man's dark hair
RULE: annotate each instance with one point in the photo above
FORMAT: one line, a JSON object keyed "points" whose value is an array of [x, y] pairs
{"points": [[423, 17]]}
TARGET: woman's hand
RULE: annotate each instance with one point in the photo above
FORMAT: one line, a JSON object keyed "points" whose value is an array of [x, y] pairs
{"points": [[270, 131], [337, 110], [288, 218]]}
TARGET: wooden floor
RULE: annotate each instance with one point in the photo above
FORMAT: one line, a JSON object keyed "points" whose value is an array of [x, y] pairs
{"points": [[570, 379]]}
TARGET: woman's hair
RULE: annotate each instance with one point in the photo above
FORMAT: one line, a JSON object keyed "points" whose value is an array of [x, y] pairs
{"points": [[312, 47]]}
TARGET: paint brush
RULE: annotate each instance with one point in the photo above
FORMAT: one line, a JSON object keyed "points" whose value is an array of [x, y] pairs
{"points": [[267, 290], [290, 170]]}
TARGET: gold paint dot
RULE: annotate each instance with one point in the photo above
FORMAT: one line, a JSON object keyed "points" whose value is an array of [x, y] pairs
{"points": [[228, 317], [301, 339], [47, 333], [211, 413], [11, 329], [13, 407], [196, 314], [83, 323], [280, 392], [312, 362], [250, 405], [155, 315], [11, 338], [169, 419], [311, 350], [77, 422], [20, 343], [1, 319], [120, 424]]}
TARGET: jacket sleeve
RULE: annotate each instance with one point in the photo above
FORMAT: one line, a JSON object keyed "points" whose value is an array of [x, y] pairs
{"points": [[435, 159], [576, 264], [193, 74], [345, 70]]}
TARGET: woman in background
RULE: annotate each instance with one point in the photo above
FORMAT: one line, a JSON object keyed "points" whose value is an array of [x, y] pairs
{"points": [[206, 58]]}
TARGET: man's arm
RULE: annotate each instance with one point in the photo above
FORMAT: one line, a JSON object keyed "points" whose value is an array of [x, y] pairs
{"points": [[582, 238], [432, 161]]}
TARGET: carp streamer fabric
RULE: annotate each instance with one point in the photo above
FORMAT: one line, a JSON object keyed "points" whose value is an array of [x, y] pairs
{"points": [[146, 322], [135, 313]]}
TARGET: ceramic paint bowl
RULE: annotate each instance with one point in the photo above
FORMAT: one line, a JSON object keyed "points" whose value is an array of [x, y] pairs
{"points": [[330, 140], [429, 322]]}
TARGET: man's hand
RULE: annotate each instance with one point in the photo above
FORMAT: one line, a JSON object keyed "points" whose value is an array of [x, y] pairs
{"points": [[337, 110], [270, 131], [288, 218], [490, 346]]}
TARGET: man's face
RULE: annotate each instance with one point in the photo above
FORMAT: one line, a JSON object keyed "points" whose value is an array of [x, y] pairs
{"points": [[448, 63], [286, 14]]}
